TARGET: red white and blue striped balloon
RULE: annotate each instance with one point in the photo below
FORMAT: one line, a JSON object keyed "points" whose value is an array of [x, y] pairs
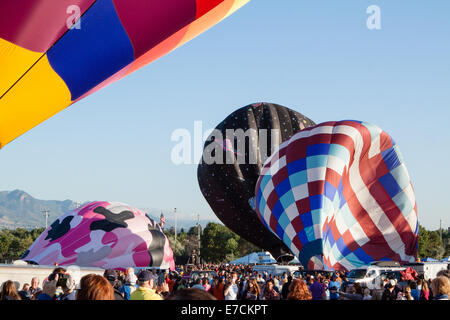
{"points": [[339, 196]]}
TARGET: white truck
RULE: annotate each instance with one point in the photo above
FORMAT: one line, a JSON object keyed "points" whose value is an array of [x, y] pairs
{"points": [[372, 276], [428, 270], [21, 273]]}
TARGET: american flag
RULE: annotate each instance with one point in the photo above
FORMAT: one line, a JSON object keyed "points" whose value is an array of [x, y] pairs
{"points": [[162, 220]]}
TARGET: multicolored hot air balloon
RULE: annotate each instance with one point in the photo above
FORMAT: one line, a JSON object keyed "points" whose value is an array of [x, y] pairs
{"points": [[238, 148], [56, 52], [105, 235], [339, 196]]}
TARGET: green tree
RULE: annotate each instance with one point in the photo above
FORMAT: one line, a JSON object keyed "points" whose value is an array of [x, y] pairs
{"points": [[219, 244], [430, 244]]}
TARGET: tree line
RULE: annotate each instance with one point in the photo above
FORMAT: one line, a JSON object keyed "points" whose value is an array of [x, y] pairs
{"points": [[216, 243]]}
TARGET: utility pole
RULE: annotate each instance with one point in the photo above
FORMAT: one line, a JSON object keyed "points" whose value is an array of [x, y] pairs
{"points": [[175, 211], [440, 230], [46, 212], [198, 234]]}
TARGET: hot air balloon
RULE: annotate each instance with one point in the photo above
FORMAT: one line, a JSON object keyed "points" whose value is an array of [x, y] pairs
{"points": [[104, 235], [232, 160], [56, 52], [339, 196]]}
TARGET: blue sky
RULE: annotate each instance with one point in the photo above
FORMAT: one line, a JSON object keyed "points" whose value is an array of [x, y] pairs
{"points": [[316, 57]]}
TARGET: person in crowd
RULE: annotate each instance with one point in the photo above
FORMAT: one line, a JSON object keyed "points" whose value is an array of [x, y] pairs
{"points": [[145, 289], [129, 285], [231, 288], [113, 277], [316, 289], [334, 287], [356, 293], [198, 284], [171, 282], [366, 294], [440, 287], [218, 292], [406, 294], [425, 292], [25, 293], [34, 287], [214, 283], [415, 292], [178, 284], [155, 278], [284, 279], [276, 284], [445, 273], [285, 288], [68, 289], [269, 292], [251, 290], [94, 287], [206, 284], [48, 291], [389, 292], [326, 291], [298, 290], [191, 294], [9, 291]]}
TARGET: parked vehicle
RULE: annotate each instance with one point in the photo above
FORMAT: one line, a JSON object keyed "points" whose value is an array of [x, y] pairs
{"points": [[428, 270], [372, 276], [274, 269]]}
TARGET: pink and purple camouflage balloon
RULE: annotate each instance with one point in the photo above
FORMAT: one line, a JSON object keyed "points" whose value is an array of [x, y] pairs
{"points": [[105, 235]]}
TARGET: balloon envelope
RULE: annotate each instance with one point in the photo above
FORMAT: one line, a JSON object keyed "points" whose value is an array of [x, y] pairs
{"points": [[231, 164], [105, 235], [339, 196], [56, 52]]}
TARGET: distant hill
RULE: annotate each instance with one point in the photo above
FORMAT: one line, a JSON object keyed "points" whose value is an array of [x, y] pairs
{"points": [[20, 209]]}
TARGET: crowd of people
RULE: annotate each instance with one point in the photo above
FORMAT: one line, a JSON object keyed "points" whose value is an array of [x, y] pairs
{"points": [[224, 283]]}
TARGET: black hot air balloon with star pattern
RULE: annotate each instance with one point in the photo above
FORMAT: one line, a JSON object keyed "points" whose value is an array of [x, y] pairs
{"points": [[232, 160]]}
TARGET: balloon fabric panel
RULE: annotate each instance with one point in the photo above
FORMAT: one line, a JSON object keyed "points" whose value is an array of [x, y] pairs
{"points": [[339, 196], [116, 37]]}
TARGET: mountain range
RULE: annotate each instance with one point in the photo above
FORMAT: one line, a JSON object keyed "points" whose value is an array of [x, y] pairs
{"points": [[20, 209]]}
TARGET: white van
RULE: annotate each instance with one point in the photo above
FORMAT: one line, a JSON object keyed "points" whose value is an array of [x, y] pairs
{"points": [[274, 269], [428, 270], [372, 276]]}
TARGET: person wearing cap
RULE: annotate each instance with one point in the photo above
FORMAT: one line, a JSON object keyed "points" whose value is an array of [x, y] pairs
{"points": [[112, 276], [145, 287], [130, 284], [68, 290]]}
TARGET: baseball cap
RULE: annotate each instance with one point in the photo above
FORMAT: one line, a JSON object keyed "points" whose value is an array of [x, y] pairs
{"points": [[111, 274], [144, 275]]}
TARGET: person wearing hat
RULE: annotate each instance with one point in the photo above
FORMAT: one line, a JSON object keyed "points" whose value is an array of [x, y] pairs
{"points": [[130, 284], [145, 287], [68, 289], [112, 276]]}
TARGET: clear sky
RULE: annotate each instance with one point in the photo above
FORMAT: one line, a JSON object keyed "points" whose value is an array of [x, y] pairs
{"points": [[317, 57]]}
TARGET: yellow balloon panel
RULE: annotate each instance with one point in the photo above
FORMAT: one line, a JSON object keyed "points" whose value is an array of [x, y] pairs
{"points": [[39, 95], [14, 62]]}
